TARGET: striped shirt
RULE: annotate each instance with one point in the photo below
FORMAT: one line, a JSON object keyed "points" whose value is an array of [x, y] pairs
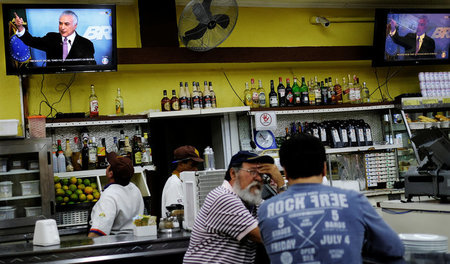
{"points": [[219, 230]]}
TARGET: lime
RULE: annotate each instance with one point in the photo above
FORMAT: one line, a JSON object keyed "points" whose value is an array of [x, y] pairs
{"points": [[86, 182], [79, 181], [82, 197], [73, 197], [81, 186], [96, 195], [68, 192], [95, 200], [90, 197], [65, 182], [57, 185], [78, 191], [72, 187], [66, 199], [65, 187], [60, 192], [73, 180], [70, 203], [56, 179], [94, 185], [59, 199]]}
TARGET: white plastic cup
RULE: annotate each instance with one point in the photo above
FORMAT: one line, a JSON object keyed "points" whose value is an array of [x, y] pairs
{"points": [[46, 233]]}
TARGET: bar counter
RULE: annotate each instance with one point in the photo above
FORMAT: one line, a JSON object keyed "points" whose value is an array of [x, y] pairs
{"points": [[167, 247]]}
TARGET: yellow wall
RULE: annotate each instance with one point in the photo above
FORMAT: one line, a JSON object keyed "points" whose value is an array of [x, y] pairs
{"points": [[142, 85]]}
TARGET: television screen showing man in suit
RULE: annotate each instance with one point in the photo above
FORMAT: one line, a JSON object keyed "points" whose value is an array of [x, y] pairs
{"points": [[61, 38], [417, 36]]}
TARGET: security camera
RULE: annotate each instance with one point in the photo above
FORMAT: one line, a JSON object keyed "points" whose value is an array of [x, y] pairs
{"points": [[320, 20]]}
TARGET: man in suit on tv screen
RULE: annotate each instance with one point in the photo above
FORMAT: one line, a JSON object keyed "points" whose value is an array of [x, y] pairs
{"points": [[63, 48], [417, 45]]}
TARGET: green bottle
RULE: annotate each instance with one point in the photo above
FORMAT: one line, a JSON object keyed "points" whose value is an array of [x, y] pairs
{"points": [[296, 92], [304, 95]]}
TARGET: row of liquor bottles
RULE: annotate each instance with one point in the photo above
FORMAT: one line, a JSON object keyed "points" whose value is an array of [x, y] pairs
{"points": [[197, 100], [86, 154], [94, 108], [335, 133], [312, 92]]}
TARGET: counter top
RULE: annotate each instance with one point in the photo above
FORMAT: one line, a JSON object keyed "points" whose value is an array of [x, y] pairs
{"points": [[104, 248], [425, 204]]}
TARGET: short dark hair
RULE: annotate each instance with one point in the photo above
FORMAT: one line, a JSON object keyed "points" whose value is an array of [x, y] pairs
{"points": [[303, 155], [236, 168]]}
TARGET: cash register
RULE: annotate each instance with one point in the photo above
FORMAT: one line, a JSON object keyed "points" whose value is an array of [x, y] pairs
{"points": [[432, 176]]}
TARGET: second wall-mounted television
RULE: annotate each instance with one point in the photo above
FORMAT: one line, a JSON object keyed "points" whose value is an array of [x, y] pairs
{"points": [[45, 45], [411, 37]]}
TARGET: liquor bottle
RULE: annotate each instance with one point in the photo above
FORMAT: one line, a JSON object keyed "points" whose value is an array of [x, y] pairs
{"points": [[287, 136], [93, 103], [196, 104], [174, 102], [61, 161], [304, 95], [311, 92], [146, 151], [323, 93], [248, 96], [317, 91], [297, 93], [289, 93], [137, 151], [101, 154], [85, 155], [365, 94], [127, 148], [255, 94], [119, 103], [114, 147], [207, 97], [76, 154], [357, 88], [331, 92], [68, 152], [338, 92], [188, 95], [281, 93], [273, 97], [121, 143], [55, 162], [351, 91], [165, 102], [92, 165], [345, 91], [200, 94], [261, 94], [183, 98], [213, 96]]}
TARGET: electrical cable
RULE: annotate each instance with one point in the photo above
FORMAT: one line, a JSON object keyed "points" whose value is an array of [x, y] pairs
{"points": [[232, 87], [378, 83], [387, 80], [45, 97], [72, 79]]}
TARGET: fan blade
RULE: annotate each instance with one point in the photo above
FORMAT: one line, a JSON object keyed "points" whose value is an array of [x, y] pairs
{"points": [[195, 33], [222, 19], [200, 10]]}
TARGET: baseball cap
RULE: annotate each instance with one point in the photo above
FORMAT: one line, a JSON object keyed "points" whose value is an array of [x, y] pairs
{"points": [[185, 153], [247, 156], [121, 166]]}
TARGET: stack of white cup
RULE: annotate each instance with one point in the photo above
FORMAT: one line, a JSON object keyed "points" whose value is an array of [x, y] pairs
{"points": [[435, 84]]}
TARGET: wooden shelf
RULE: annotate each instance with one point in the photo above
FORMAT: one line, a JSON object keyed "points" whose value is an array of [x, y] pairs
{"points": [[169, 55]]}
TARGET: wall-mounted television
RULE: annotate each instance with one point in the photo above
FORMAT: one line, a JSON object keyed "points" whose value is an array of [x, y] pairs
{"points": [[59, 38], [411, 37]]}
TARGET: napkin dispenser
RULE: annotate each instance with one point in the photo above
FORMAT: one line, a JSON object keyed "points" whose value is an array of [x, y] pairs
{"points": [[46, 233]]}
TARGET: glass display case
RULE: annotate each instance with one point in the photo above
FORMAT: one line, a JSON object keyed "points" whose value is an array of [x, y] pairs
{"points": [[26, 186]]}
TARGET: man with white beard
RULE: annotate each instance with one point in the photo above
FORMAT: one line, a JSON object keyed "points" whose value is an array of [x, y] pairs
{"points": [[226, 229]]}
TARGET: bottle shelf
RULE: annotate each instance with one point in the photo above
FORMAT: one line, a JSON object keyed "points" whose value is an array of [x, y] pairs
{"points": [[362, 148], [98, 172], [15, 172], [20, 197], [424, 103], [196, 112], [316, 109], [97, 121]]}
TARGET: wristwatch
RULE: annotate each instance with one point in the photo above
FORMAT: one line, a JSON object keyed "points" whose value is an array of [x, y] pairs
{"points": [[282, 188]]}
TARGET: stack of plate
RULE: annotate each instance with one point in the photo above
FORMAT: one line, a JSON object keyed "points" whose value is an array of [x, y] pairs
{"points": [[424, 243]]}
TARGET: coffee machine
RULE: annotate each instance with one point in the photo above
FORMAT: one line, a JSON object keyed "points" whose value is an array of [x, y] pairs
{"points": [[432, 176]]}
